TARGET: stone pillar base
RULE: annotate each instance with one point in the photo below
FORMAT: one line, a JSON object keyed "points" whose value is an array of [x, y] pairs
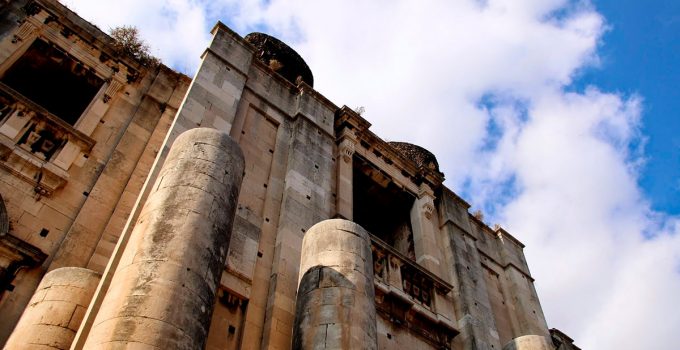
{"points": [[529, 342], [335, 301], [55, 311], [163, 292]]}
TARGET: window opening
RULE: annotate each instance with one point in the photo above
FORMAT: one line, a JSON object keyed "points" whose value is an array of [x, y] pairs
{"points": [[51, 78], [382, 208]]}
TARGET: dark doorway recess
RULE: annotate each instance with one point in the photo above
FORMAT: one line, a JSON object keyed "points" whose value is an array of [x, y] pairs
{"points": [[51, 78], [382, 207]]}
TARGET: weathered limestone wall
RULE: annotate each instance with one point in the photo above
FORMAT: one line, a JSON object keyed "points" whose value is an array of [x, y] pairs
{"points": [[84, 218], [495, 297], [426, 232], [307, 200], [227, 323], [335, 301], [263, 115], [163, 291], [132, 134], [473, 308], [286, 133], [210, 101], [529, 342], [392, 336], [252, 250], [562, 341], [53, 315], [519, 284], [295, 176], [495, 283], [78, 222]]}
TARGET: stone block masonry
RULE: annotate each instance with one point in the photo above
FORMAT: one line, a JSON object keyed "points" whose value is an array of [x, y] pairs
{"points": [[163, 292], [335, 308], [55, 311], [529, 342], [110, 192]]}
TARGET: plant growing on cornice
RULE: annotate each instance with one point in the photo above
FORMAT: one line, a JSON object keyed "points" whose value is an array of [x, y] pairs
{"points": [[127, 42]]}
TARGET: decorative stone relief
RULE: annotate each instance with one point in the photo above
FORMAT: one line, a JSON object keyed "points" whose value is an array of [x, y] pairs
{"points": [[428, 209], [405, 293], [426, 196], [14, 255], [347, 149], [30, 140], [25, 30], [112, 88]]}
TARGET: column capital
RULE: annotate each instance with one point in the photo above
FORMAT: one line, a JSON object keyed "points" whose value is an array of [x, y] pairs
{"points": [[346, 149], [426, 200]]}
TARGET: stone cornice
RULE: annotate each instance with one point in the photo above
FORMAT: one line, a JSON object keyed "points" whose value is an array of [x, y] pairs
{"points": [[347, 118]]}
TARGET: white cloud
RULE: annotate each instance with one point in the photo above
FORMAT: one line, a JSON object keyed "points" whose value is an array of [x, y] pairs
{"points": [[483, 84], [174, 29]]}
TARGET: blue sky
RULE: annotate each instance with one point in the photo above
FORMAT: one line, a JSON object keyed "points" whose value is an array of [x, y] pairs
{"points": [[557, 118], [640, 54]]}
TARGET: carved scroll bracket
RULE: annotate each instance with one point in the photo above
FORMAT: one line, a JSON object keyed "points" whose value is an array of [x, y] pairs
{"points": [[25, 30], [111, 89], [347, 149], [347, 144], [426, 199]]}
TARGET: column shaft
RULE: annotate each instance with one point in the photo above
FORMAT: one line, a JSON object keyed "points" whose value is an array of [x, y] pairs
{"points": [[163, 291], [529, 342], [56, 309], [335, 301]]}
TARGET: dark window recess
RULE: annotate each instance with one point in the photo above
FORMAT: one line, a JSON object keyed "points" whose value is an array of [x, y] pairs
{"points": [[44, 232], [49, 77], [382, 208], [232, 329]]}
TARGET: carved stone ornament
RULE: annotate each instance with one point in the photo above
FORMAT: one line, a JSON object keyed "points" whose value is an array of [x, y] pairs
{"points": [[426, 196], [112, 89], [428, 209], [25, 30], [346, 149]]}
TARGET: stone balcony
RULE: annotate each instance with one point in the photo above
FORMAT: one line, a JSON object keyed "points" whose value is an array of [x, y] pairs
{"points": [[410, 296], [35, 145]]}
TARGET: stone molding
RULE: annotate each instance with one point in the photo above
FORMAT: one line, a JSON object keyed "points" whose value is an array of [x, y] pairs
{"points": [[406, 295]]}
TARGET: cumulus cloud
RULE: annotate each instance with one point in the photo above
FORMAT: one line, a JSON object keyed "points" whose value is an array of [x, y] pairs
{"points": [[487, 85], [174, 29]]}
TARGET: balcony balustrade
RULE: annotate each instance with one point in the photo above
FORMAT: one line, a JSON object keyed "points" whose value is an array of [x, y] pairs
{"points": [[36, 145], [411, 296]]}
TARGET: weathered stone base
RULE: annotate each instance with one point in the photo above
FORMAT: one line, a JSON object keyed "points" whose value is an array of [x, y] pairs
{"points": [[163, 292], [335, 301], [529, 342], [54, 313]]}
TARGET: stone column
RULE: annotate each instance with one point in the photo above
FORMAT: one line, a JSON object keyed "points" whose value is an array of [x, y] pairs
{"points": [[529, 342], [424, 231], [56, 309], [344, 192], [163, 291], [335, 299]]}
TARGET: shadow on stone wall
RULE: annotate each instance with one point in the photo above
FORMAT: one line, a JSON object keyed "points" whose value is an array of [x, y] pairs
{"points": [[324, 308]]}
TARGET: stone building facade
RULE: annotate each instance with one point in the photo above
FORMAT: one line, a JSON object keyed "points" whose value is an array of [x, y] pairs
{"points": [[240, 209]]}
